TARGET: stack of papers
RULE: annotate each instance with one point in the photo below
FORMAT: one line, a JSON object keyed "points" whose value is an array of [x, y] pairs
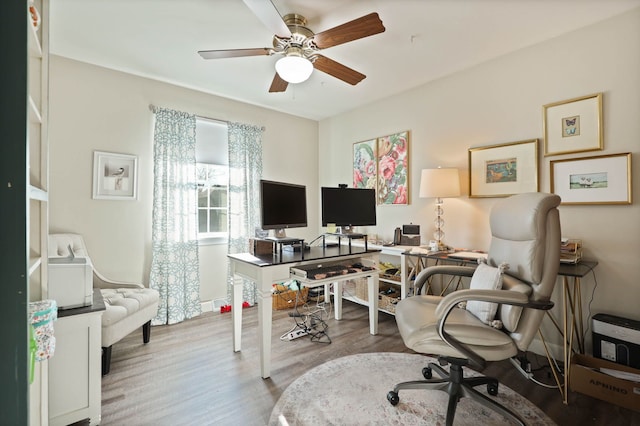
{"points": [[468, 255]]}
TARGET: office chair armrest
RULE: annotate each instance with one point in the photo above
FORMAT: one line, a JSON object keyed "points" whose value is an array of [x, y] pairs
{"points": [[449, 302], [427, 273]]}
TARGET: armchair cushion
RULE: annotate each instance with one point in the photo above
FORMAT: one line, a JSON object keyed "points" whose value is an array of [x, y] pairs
{"points": [[485, 277]]}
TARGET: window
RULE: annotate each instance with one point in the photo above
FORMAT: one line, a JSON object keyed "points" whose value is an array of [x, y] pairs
{"points": [[212, 200], [212, 175]]}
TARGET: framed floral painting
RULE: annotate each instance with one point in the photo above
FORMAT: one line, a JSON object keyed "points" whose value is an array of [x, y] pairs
{"points": [[365, 164], [393, 165]]}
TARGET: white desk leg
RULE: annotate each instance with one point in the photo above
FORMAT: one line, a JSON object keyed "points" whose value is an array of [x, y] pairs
{"points": [[337, 299], [236, 310], [374, 288], [265, 310]]}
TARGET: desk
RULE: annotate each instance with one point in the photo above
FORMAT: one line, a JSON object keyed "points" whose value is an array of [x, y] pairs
{"points": [[269, 269]]}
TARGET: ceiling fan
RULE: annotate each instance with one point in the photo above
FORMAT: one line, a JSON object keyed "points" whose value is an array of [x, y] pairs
{"points": [[300, 46]]}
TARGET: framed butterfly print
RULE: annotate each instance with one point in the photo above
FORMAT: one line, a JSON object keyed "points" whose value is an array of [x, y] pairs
{"points": [[574, 125]]}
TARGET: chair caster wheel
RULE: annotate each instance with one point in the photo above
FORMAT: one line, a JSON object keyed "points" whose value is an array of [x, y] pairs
{"points": [[393, 398], [427, 373], [492, 389]]}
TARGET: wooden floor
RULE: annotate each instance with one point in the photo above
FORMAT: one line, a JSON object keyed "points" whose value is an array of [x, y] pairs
{"points": [[189, 375]]}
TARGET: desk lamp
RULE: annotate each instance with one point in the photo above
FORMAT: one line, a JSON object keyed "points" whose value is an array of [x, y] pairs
{"points": [[439, 183]]}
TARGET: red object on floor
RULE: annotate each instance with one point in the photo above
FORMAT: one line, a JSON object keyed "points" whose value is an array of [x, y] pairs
{"points": [[227, 308]]}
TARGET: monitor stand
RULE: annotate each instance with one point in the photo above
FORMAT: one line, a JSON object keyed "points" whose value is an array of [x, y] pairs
{"points": [[345, 230], [280, 233], [280, 239], [340, 233]]}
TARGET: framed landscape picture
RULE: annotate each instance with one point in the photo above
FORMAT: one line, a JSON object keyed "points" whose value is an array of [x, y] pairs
{"points": [[504, 169], [604, 179]]}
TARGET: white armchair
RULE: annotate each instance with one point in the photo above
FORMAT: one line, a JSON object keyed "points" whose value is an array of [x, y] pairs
{"points": [[128, 305]]}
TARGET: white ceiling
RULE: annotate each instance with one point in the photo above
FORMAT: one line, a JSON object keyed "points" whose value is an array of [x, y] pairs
{"points": [[424, 40]]}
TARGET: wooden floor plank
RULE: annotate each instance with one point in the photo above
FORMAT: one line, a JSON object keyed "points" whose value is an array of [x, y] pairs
{"points": [[189, 375]]}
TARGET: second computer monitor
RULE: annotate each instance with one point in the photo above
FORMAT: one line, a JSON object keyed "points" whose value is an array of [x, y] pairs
{"points": [[347, 207]]}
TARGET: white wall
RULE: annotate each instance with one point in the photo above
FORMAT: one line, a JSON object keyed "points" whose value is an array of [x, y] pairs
{"points": [[501, 101], [93, 108], [497, 102]]}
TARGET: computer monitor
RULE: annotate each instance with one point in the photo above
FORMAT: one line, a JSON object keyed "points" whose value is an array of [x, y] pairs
{"points": [[348, 207], [283, 205]]}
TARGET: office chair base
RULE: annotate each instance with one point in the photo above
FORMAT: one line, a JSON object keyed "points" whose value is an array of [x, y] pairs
{"points": [[457, 387]]}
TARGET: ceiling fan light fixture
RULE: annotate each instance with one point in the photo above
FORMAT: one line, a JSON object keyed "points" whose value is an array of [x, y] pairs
{"points": [[294, 68]]}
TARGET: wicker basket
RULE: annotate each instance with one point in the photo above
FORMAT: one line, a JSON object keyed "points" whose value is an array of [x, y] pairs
{"points": [[388, 303], [385, 302], [362, 289], [287, 299], [389, 271]]}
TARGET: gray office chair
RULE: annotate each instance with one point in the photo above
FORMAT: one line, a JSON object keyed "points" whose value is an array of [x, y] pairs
{"points": [[525, 234]]}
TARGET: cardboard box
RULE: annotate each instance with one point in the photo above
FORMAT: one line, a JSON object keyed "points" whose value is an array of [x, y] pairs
{"points": [[259, 247], [586, 378]]}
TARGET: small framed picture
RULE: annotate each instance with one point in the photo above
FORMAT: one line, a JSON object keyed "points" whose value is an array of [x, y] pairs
{"points": [[574, 125], [503, 170], [604, 179], [114, 176]]}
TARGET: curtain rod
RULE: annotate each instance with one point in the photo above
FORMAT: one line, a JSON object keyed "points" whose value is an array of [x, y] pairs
{"points": [[153, 108]]}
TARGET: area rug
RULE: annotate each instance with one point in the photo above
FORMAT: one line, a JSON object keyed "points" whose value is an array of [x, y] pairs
{"points": [[353, 391]]}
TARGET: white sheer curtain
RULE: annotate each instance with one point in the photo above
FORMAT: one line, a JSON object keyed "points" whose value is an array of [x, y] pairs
{"points": [[174, 264], [245, 171]]}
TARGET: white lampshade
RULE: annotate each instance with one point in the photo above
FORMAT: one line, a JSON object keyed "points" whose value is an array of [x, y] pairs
{"points": [[294, 68], [439, 183]]}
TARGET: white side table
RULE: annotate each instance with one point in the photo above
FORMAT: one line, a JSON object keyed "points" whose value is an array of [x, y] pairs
{"points": [[75, 378]]}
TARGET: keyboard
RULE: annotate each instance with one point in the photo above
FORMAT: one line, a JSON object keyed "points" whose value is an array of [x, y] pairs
{"points": [[319, 272]]}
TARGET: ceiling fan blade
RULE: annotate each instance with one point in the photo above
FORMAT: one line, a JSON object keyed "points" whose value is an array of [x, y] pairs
{"points": [[278, 84], [234, 53], [365, 26], [270, 17], [336, 69]]}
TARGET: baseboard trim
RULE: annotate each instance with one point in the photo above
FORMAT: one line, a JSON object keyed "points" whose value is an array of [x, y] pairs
{"points": [[556, 350], [206, 306], [212, 305]]}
